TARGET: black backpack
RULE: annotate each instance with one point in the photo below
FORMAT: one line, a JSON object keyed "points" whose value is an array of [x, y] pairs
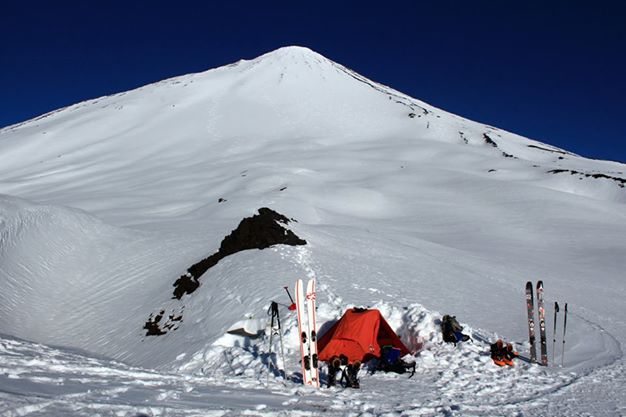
{"points": [[390, 361], [449, 326]]}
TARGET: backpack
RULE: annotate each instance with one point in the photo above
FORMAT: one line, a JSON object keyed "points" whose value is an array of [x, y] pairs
{"points": [[390, 361], [451, 330]]}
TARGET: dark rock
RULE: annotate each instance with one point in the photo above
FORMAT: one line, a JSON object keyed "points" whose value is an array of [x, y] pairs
{"points": [[152, 325], [621, 182], [185, 284], [257, 232], [489, 141]]}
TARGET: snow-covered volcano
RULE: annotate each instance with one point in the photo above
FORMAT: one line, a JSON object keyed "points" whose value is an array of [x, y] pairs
{"points": [[403, 206]]}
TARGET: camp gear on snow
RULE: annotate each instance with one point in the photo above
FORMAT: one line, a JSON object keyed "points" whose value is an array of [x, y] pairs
{"points": [[498, 352], [452, 330], [509, 354], [334, 366], [390, 354], [343, 360], [359, 335], [503, 354], [350, 373], [391, 361]]}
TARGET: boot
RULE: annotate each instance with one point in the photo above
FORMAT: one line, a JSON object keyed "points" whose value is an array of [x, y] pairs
{"points": [[333, 367]]}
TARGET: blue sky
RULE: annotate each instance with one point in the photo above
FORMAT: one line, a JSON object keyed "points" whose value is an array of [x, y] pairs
{"points": [[555, 72]]}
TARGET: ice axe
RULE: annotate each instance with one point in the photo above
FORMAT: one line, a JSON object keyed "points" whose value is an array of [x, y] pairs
{"points": [[293, 305]]}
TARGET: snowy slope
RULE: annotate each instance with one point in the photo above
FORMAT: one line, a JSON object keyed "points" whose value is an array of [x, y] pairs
{"points": [[404, 206]]}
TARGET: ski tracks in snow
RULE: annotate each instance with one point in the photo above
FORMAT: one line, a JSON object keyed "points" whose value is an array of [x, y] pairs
{"points": [[303, 257]]}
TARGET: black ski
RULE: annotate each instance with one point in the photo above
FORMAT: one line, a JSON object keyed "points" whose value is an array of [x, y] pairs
{"points": [[530, 308], [542, 324]]}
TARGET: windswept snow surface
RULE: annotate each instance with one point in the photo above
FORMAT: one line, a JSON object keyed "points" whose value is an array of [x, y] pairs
{"points": [[405, 208]]}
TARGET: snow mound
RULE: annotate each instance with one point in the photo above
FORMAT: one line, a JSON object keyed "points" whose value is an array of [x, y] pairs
{"points": [[462, 376]]}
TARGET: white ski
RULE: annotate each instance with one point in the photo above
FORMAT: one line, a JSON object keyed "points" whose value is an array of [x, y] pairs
{"points": [[310, 304], [303, 334]]}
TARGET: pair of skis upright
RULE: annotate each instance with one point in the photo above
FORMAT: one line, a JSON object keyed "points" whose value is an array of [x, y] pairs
{"points": [[305, 307], [542, 324], [531, 322]]}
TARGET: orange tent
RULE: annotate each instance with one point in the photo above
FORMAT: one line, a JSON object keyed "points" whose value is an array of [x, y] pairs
{"points": [[359, 334]]}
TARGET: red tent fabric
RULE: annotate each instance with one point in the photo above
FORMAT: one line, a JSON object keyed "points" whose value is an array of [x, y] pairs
{"points": [[359, 335]]}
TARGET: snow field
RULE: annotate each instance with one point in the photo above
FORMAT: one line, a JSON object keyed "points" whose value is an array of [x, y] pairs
{"points": [[405, 208]]}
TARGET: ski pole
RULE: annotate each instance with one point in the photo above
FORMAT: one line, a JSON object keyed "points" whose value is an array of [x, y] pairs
{"points": [[282, 348], [556, 310], [564, 327], [275, 325], [293, 304], [269, 357]]}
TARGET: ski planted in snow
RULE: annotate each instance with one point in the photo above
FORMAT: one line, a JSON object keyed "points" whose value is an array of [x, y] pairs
{"points": [[530, 308], [542, 324], [564, 328], [305, 307], [303, 330], [292, 306], [310, 304], [275, 329], [556, 311]]}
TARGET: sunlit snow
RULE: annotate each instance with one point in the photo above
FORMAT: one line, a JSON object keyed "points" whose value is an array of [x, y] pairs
{"points": [[404, 207]]}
